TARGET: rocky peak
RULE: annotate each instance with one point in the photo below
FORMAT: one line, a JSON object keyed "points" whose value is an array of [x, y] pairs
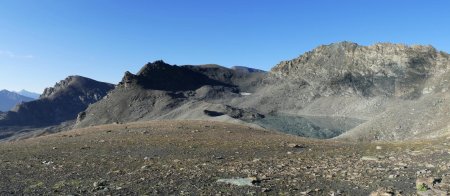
{"points": [[7, 93], [59, 103], [128, 79], [13, 95], [396, 69], [158, 65], [63, 84], [351, 55], [162, 76], [77, 85]]}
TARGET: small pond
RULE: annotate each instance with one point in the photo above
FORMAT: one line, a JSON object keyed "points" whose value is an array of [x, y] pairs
{"points": [[309, 126]]}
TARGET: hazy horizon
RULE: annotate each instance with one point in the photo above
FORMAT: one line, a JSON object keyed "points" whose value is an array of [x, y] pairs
{"points": [[45, 41]]}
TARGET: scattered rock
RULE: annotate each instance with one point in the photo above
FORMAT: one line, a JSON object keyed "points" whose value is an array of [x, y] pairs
{"points": [[100, 184], [382, 192], [250, 181], [47, 162], [85, 148], [431, 186], [423, 171], [305, 192], [292, 145], [369, 158], [425, 183], [393, 176], [217, 157]]}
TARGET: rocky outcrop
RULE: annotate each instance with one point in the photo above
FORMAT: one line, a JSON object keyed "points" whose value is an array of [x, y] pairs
{"points": [[60, 103], [246, 79], [234, 113]]}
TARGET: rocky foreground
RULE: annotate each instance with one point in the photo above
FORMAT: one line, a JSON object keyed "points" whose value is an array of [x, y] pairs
{"points": [[201, 157]]}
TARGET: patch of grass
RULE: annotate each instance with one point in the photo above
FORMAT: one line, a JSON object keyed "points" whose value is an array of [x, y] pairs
{"points": [[37, 185], [59, 185], [62, 184], [32, 187], [422, 187]]}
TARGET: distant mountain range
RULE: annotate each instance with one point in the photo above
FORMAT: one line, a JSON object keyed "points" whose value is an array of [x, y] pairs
{"points": [[10, 99], [28, 94]]}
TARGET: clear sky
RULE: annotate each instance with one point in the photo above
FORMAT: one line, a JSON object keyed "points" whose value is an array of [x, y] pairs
{"points": [[43, 41]]}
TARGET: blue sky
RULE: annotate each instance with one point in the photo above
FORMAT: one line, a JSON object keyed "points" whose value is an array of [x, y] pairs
{"points": [[42, 42]]}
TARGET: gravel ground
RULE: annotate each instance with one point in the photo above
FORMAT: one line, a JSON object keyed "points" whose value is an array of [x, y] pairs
{"points": [[206, 158]]}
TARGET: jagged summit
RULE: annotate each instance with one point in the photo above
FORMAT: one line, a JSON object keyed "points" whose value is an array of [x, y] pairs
{"points": [[162, 76], [156, 65], [352, 51]]}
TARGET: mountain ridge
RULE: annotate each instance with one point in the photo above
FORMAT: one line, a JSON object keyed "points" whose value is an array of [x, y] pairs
{"points": [[137, 98], [57, 104], [30, 94], [341, 91], [383, 68]]}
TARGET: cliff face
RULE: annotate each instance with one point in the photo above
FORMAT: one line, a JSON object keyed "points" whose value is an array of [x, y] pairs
{"points": [[381, 69]]}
